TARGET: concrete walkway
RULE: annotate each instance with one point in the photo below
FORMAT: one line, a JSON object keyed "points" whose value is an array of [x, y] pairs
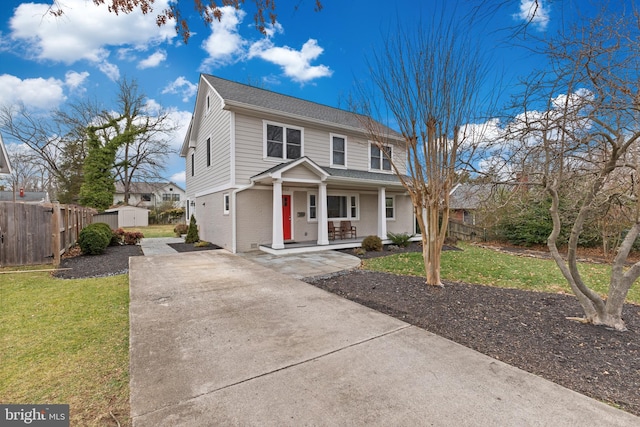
{"points": [[298, 265], [219, 340]]}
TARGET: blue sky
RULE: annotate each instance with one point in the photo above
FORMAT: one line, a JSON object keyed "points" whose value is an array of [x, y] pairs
{"points": [[46, 61]]}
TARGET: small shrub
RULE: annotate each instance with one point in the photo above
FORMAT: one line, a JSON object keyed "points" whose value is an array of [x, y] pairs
{"points": [[192, 234], [372, 243], [359, 252], [128, 237], [93, 239], [401, 239], [393, 248], [181, 229]]}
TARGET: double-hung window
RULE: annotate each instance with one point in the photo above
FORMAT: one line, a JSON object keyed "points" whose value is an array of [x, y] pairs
{"points": [[389, 204], [380, 158], [283, 142], [338, 150]]}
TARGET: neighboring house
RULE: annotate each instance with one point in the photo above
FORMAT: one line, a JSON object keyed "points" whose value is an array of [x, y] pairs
{"points": [[264, 170], [467, 200], [25, 196], [151, 195]]}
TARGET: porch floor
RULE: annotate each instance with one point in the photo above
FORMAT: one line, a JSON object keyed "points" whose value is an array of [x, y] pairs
{"points": [[312, 246]]}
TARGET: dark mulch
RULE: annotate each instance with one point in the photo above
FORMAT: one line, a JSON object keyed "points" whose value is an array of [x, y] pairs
{"points": [[115, 260], [190, 247], [528, 330]]}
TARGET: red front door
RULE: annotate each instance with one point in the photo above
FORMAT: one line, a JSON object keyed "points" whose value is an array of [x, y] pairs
{"points": [[286, 217]]}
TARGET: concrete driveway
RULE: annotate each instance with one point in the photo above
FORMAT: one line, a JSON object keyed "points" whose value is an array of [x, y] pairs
{"points": [[220, 340]]}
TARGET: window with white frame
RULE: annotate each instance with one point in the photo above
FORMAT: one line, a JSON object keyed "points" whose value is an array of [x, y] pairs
{"points": [[338, 150], [193, 164], [283, 142], [390, 205], [313, 207], [226, 201], [379, 161], [342, 206]]}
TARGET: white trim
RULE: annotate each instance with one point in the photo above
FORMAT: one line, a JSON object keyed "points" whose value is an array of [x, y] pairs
{"points": [[226, 203], [277, 238], [382, 216], [232, 149], [334, 165], [213, 190], [393, 201], [347, 195], [284, 140], [382, 157], [309, 194]]}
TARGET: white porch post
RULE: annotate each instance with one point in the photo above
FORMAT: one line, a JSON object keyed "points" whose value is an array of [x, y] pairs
{"points": [[382, 213], [277, 239], [321, 206]]}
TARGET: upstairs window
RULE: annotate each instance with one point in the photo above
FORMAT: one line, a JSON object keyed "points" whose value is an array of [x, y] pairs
{"points": [[338, 150], [380, 160], [283, 142], [193, 164]]}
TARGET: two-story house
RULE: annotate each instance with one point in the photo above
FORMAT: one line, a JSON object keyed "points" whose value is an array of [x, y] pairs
{"points": [[269, 171]]}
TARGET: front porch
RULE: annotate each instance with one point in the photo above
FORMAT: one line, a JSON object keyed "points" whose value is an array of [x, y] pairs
{"points": [[312, 246]]}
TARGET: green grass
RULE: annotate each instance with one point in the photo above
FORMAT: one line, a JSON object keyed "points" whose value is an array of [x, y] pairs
{"points": [[66, 341], [156, 230], [484, 266]]}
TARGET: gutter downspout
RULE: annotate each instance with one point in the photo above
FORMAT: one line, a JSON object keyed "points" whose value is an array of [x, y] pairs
{"points": [[234, 220]]}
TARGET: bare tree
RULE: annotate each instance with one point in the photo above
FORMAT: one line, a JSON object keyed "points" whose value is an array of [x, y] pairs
{"points": [[209, 10], [428, 81], [587, 143]]}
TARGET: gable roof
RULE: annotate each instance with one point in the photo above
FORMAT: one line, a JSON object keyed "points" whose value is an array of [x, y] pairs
{"points": [[470, 196], [145, 187], [240, 95]]}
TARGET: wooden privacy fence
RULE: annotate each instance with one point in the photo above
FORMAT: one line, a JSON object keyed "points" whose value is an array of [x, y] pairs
{"points": [[467, 232], [39, 233]]}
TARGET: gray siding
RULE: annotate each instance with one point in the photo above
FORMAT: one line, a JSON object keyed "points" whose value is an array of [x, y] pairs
{"points": [[254, 218], [213, 225], [216, 124]]}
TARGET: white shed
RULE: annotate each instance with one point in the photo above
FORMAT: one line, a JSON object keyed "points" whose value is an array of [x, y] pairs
{"points": [[131, 216]]}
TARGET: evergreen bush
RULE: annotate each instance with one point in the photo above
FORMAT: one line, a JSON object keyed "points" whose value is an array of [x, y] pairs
{"points": [[372, 243], [192, 233], [94, 239]]}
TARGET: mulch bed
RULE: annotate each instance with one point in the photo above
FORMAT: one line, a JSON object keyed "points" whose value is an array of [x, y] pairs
{"points": [[529, 330], [190, 247]]}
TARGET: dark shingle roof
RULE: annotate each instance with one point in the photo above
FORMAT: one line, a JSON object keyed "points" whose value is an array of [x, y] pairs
{"points": [[241, 94], [470, 196]]}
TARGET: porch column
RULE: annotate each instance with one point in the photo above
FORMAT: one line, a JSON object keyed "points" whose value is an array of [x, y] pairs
{"points": [[321, 206], [382, 213], [277, 239]]}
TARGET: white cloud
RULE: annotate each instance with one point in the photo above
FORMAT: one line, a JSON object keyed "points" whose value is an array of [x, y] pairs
{"points": [[74, 80], [295, 64], [83, 32], [182, 86], [179, 178], [534, 11], [181, 120], [153, 60], [33, 93], [225, 44]]}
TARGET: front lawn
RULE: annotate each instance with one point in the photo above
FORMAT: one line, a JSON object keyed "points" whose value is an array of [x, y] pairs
{"points": [[66, 341], [484, 266]]}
